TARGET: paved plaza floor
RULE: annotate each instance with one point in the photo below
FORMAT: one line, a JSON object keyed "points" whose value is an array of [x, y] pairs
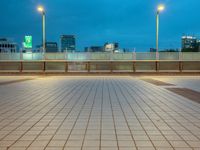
{"points": [[100, 113]]}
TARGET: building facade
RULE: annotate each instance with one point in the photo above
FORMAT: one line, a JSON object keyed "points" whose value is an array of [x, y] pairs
{"points": [[108, 47], [153, 50], [68, 43], [94, 49], [189, 42], [51, 47], [111, 47], [7, 46]]}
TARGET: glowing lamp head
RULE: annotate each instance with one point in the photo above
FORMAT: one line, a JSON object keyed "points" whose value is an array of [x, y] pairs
{"points": [[40, 9], [160, 8]]}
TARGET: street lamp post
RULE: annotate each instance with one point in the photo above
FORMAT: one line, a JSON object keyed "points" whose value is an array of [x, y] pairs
{"points": [[159, 9], [42, 11]]}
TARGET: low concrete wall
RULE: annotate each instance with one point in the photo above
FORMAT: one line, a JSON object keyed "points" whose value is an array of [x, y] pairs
{"points": [[99, 66]]}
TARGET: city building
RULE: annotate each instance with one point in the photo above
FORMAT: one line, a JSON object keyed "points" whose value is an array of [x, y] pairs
{"points": [[68, 43], [108, 47], [127, 50], [8, 46], [111, 47], [38, 48], [86, 49], [190, 44], [153, 50], [51, 47], [94, 49]]}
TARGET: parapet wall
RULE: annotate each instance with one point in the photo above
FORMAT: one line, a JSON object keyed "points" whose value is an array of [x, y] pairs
{"points": [[99, 66], [100, 62]]}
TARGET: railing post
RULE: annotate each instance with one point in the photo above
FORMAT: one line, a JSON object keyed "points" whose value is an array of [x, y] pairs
{"points": [[88, 56], [180, 56], [157, 56], [43, 56], [180, 62], [21, 55], [88, 66], [180, 65], [111, 66], [111, 55], [21, 66], [66, 67], [44, 66], [134, 66], [134, 56], [157, 65], [66, 55]]}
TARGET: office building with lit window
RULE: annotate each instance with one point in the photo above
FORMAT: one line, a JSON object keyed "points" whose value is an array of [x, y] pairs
{"points": [[68, 43], [189, 42], [7, 46], [111, 47], [51, 47]]}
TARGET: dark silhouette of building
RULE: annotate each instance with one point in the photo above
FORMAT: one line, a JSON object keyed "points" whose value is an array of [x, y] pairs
{"points": [[7, 46], [51, 47], [190, 44], [94, 49], [153, 50], [108, 47], [68, 43]]}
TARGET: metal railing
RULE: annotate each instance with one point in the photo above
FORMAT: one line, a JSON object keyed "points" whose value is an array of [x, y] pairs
{"points": [[100, 62], [85, 56]]}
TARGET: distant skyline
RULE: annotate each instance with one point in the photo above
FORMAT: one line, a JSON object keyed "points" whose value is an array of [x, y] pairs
{"points": [[131, 23]]}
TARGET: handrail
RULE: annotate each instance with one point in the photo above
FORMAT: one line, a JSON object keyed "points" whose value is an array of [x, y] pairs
{"points": [[88, 56]]}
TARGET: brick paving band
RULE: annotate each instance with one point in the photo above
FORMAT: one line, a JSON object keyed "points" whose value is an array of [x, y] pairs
{"points": [[188, 93]]}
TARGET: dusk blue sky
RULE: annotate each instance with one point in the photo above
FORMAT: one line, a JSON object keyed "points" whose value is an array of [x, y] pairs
{"points": [[94, 22]]}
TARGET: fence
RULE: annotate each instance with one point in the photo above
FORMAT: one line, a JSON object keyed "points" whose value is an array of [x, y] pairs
{"points": [[100, 62]]}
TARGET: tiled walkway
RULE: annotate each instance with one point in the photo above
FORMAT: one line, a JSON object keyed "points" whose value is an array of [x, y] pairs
{"points": [[93, 113]]}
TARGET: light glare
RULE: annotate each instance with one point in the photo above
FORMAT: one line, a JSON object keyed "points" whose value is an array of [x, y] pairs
{"points": [[160, 8], [40, 9]]}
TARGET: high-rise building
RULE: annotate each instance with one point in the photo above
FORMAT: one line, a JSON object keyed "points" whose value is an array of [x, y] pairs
{"points": [[7, 46], [51, 47], [68, 43], [190, 44]]}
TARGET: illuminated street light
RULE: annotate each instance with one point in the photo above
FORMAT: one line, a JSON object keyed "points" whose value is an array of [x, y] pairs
{"points": [[42, 11], [160, 8]]}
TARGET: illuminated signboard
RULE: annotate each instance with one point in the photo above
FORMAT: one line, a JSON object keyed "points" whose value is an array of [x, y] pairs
{"points": [[28, 42]]}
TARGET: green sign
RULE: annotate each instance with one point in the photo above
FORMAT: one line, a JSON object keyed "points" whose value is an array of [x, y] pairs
{"points": [[28, 42]]}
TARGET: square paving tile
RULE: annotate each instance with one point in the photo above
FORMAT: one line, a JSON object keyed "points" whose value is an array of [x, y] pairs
{"points": [[98, 113]]}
